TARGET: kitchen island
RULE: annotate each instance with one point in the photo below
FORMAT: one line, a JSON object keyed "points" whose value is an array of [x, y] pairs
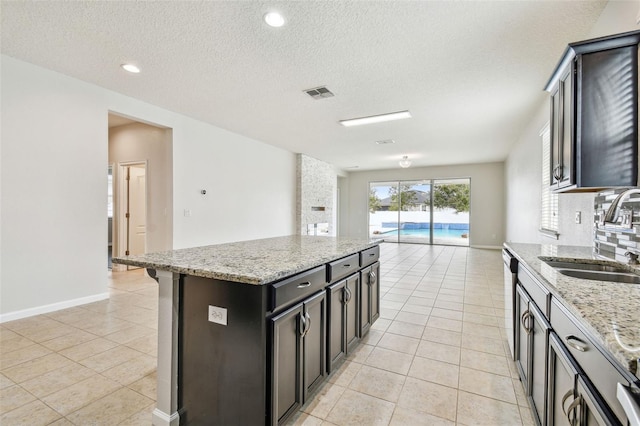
{"points": [[575, 338], [247, 331]]}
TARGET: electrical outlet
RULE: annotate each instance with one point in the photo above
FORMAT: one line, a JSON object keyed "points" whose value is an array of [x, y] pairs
{"points": [[578, 217], [218, 315]]}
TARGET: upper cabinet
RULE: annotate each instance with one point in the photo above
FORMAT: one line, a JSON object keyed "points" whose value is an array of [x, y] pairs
{"points": [[594, 115]]}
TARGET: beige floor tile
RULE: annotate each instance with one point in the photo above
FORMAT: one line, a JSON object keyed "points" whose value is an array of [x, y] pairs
{"points": [[129, 334], [132, 370], [406, 329], [14, 397], [145, 344], [431, 398], [421, 301], [393, 297], [482, 344], [448, 305], [445, 324], [65, 422], [408, 417], [426, 292], [385, 304], [360, 353], [345, 373], [146, 386], [381, 324], [485, 362], [69, 340], [479, 410], [400, 291], [415, 309], [474, 318], [487, 384], [387, 313], [15, 343], [141, 418], [111, 358], [439, 352], [6, 334], [34, 413], [372, 337], [58, 379], [519, 391], [481, 310], [435, 371], [379, 383], [492, 332], [41, 334], [36, 367], [13, 358], [324, 400], [304, 419], [5, 382], [111, 409], [412, 318], [449, 297], [355, 408], [88, 349], [76, 396], [452, 338], [386, 359], [446, 313], [526, 416], [31, 323], [399, 343]]}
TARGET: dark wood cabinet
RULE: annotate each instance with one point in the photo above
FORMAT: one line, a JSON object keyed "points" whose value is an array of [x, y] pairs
{"points": [[369, 297], [343, 299], [594, 115], [298, 355], [531, 351]]}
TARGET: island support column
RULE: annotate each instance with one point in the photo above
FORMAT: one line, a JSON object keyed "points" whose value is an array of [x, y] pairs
{"points": [[166, 412]]}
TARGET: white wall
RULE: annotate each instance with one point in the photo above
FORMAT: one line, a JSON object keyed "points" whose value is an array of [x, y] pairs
{"points": [[53, 177], [524, 163], [487, 197]]}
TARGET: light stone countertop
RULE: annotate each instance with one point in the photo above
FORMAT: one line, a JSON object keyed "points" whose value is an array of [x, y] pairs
{"points": [[610, 311], [252, 262]]}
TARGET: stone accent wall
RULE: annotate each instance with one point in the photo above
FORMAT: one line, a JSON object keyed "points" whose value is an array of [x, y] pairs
{"points": [[611, 242], [317, 184]]}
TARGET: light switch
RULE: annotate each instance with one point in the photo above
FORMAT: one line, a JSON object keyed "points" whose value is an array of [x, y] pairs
{"points": [[578, 217]]}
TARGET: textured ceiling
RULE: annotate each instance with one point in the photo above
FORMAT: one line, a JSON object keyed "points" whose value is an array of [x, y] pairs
{"points": [[471, 73]]}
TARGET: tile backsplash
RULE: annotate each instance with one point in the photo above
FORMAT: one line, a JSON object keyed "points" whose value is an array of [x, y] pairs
{"points": [[613, 242]]}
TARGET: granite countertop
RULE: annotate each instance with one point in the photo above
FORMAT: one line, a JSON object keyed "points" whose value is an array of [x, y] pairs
{"points": [[252, 262], [609, 310]]}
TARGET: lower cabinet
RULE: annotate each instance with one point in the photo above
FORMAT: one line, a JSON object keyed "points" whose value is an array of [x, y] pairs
{"points": [[298, 362], [572, 398], [369, 297], [532, 336], [343, 299]]}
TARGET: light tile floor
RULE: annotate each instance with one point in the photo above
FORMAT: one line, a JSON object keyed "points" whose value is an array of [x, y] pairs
{"points": [[436, 356]]}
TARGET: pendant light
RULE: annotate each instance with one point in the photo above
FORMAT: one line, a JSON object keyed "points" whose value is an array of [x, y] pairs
{"points": [[405, 162]]}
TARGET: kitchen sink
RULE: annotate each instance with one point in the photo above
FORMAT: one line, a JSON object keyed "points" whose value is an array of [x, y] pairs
{"points": [[594, 271]]}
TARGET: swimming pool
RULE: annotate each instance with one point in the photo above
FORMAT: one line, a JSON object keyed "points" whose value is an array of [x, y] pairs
{"points": [[437, 233]]}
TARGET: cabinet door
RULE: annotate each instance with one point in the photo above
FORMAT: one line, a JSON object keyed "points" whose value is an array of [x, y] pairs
{"points": [[286, 363], [593, 411], [555, 135], [374, 292], [523, 337], [352, 309], [337, 315], [314, 342], [562, 373], [567, 138], [365, 299], [539, 338]]}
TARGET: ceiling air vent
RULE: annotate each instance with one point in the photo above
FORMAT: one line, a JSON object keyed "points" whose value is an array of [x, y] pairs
{"points": [[385, 142], [319, 93]]}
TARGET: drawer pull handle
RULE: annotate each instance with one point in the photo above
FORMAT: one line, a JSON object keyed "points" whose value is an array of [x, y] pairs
{"points": [[308, 327], [303, 326], [526, 316], [346, 265], [371, 254], [573, 409], [304, 285], [564, 399], [372, 278], [576, 343], [347, 295]]}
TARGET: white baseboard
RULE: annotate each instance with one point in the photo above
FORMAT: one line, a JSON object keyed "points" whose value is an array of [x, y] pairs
{"points": [[12, 316], [487, 247]]}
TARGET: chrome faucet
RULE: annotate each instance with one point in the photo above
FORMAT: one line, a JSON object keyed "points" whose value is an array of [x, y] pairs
{"points": [[614, 211]]}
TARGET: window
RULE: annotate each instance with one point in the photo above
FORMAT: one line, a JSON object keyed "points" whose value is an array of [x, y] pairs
{"points": [[549, 205]]}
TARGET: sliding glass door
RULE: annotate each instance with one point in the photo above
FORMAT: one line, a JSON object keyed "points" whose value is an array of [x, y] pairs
{"points": [[433, 211]]}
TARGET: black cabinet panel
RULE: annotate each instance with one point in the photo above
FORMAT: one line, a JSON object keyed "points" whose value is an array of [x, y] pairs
{"points": [[314, 341]]}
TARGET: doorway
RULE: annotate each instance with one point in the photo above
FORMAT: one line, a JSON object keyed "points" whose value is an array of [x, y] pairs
{"points": [[428, 211], [133, 215]]}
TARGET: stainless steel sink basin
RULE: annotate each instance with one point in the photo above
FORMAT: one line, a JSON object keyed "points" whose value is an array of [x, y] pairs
{"points": [[619, 277], [594, 271]]}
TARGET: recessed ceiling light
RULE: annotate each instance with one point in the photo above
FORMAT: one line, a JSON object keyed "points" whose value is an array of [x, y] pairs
{"points": [[274, 19], [385, 142], [405, 162], [376, 118], [131, 68]]}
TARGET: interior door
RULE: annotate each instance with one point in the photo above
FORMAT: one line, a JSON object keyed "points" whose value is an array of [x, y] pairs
{"points": [[137, 210]]}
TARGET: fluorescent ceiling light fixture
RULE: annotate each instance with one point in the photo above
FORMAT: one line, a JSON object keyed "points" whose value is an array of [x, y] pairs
{"points": [[376, 118], [405, 162], [274, 19], [131, 68]]}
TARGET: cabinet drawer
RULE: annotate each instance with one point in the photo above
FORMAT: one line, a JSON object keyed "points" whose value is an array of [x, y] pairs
{"points": [[595, 365], [343, 267], [296, 288], [369, 256], [538, 293]]}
